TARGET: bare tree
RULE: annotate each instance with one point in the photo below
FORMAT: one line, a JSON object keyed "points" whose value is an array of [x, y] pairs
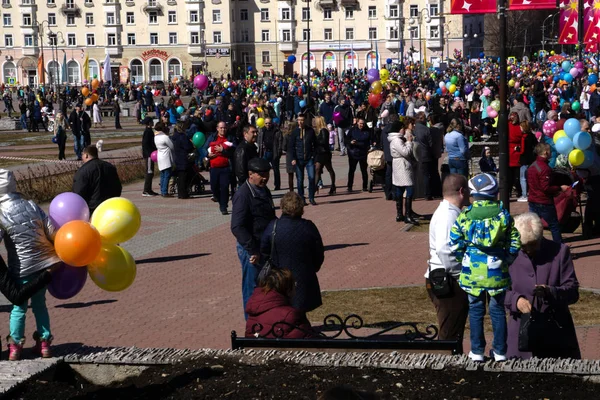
{"points": [[524, 32]]}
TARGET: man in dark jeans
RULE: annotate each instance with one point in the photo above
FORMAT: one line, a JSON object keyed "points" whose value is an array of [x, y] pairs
{"points": [[302, 145], [541, 193], [148, 147], [270, 144], [426, 165]]}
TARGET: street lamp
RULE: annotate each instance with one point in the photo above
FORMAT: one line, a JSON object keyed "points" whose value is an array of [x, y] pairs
{"points": [[40, 35], [419, 19], [55, 75], [446, 33], [544, 28]]}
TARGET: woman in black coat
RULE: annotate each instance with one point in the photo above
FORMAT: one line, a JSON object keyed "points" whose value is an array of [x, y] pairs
{"points": [[183, 147], [323, 154], [299, 248]]}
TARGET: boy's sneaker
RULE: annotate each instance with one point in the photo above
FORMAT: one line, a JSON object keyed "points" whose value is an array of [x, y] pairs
{"points": [[522, 199], [146, 194], [476, 357], [14, 349], [42, 346], [497, 357]]}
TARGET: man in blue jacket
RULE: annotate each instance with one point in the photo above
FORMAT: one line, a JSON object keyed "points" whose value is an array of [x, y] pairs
{"points": [[301, 146], [326, 109]]}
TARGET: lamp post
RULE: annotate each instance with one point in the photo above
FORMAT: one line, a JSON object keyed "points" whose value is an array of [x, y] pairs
{"points": [[419, 21], [446, 33], [308, 16], [544, 28], [55, 75], [40, 35]]}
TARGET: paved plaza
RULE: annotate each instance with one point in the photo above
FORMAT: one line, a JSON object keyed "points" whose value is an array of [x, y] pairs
{"points": [[187, 293]]}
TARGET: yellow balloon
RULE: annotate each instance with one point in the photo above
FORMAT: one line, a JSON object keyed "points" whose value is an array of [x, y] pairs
{"points": [[384, 74], [495, 124], [511, 83], [558, 135], [576, 157], [117, 220], [376, 87], [113, 270], [452, 88], [260, 122]]}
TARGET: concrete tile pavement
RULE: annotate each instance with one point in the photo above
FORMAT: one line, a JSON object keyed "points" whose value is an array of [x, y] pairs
{"points": [[187, 292]]}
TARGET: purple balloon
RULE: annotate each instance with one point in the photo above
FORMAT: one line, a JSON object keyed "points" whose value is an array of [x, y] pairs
{"points": [[67, 281], [468, 88], [372, 75], [67, 207], [201, 82], [574, 72], [337, 117], [578, 65]]}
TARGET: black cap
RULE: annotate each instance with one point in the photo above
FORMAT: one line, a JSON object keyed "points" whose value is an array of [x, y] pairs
{"points": [[148, 121], [258, 165]]}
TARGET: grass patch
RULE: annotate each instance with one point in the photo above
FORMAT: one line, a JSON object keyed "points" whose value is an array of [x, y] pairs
{"points": [[412, 304]]}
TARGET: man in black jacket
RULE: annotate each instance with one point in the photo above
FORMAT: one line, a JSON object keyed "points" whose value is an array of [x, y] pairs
{"points": [[425, 153], [252, 210], [270, 148], [302, 145], [245, 152], [75, 124], [148, 147], [96, 180]]}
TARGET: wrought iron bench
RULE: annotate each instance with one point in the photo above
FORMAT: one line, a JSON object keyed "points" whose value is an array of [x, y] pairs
{"points": [[407, 337]]}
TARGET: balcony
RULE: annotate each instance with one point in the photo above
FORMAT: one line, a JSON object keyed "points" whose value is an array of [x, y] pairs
{"points": [[114, 50], [392, 44], [171, 2], [129, 3], [215, 2], [265, 1], [195, 49], [68, 9], [350, 4], [30, 51], [153, 6], [30, 4], [6, 4], [288, 46], [113, 24]]}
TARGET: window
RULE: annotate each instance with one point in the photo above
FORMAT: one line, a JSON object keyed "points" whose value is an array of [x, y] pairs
{"points": [[433, 10], [51, 2], [264, 14], [90, 39], [349, 13], [372, 12], [194, 16], [328, 34], [245, 57], [6, 3], [414, 11], [10, 71], [53, 71], [305, 14], [266, 36], [28, 40], [90, 2], [217, 16], [110, 18], [349, 33], [131, 39], [52, 19], [172, 37], [266, 57], [111, 39], [52, 40], [327, 13], [130, 18], [153, 17], [89, 19], [286, 35], [26, 19], [172, 17], [137, 71], [93, 68], [194, 38], [71, 3], [244, 36], [393, 11], [70, 20], [26, 2], [152, 3], [156, 73], [6, 20], [393, 32], [414, 33], [72, 72], [286, 14], [174, 68], [372, 33], [217, 37], [244, 15], [8, 41], [305, 34], [434, 32], [154, 38]]}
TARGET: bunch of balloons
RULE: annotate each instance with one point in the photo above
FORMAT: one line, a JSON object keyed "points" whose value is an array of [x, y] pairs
{"points": [[79, 243], [575, 144], [377, 79], [93, 96], [201, 82], [449, 86]]}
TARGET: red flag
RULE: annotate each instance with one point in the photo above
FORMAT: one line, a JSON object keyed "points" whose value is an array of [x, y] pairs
{"points": [[472, 6], [41, 72], [569, 21], [591, 24], [516, 5]]}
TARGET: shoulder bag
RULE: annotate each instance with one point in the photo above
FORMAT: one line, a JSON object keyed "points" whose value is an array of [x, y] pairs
{"points": [[269, 264], [539, 330], [440, 282]]}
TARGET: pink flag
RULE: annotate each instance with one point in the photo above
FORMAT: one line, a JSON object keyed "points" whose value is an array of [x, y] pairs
{"points": [[569, 20]]}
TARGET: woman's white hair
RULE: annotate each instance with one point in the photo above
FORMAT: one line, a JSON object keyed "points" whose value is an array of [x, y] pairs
{"points": [[530, 227]]}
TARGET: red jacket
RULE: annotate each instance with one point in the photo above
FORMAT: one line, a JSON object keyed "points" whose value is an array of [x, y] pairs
{"points": [[515, 138], [539, 189], [220, 161], [269, 308]]}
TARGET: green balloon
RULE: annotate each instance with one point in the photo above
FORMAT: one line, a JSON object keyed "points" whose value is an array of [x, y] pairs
{"points": [[249, 91], [454, 79], [576, 106], [198, 139]]}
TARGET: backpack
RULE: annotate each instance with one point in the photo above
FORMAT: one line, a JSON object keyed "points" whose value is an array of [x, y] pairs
{"points": [[376, 160]]}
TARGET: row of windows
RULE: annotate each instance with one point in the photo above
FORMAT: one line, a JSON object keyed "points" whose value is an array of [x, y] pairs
{"points": [[69, 3], [111, 39], [434, 32]]}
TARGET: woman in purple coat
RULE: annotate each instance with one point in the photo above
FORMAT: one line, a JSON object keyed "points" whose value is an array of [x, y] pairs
{"points": [[545, 268]]}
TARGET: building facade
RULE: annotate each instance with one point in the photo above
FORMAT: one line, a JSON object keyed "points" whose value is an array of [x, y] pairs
{"points": [[159, 40]]}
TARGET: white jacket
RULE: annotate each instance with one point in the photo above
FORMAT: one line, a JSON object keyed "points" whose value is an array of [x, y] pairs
{"points": [[402, 154], [440, 255], [164, 148]]}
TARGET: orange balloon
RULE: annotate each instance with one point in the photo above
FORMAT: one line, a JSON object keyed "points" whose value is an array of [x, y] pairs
{"points": [[85, 91], [89, 102], [592, 88], [94, 97], [77, 243], [95, 84]]}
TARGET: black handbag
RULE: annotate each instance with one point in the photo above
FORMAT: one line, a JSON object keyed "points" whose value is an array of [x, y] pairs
{"points": [[440, 282], [539, 330], [269, 264]]}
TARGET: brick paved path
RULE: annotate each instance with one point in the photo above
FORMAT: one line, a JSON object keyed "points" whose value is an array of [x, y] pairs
{"points": [[187, 292]]}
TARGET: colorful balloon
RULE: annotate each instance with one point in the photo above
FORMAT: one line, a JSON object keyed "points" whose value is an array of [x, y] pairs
{"points": [[113, 270], [198, 139], [564, 145], [452, 88], [67, 281], [571, 127], [292, 59], [576, 106], [178, 103], [154, 156], [95, 83], [88, 102], [576, 157], [77, 243], [372, 75], [582, 140], [67, 207], [493, 114], [85, 91], [117, 220], [495, 105], [588, 159], [201, 82], [337, 117], [558, 135], [592, 79], [454, 79], [376, 87], [180, 110], [384, 75], [566, 66], [375, 100], [549, 128], [260, 122]]}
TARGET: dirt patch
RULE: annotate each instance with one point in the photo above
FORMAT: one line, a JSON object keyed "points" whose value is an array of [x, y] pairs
{"points": [[227, 379]]}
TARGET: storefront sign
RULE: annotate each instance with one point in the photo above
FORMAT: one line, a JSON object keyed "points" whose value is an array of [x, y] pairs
{"points": [[220, 51], [123, 74], [155, 53], [315, 46]]}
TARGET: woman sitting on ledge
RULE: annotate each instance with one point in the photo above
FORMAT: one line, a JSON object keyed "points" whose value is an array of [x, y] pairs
{"points": [[270, 304]]}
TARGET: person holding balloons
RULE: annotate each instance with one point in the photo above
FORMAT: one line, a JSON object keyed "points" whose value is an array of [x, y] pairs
{"points": [[28, 236]]}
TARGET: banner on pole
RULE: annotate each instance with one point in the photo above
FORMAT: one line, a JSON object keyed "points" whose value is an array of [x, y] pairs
{"points": [[472, 6], [591, 24], [568, 22], [517, 5]]}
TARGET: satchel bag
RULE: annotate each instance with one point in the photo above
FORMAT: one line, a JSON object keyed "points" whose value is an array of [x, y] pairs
{"points": [[440, 282], [269, 264], [539, 330]]}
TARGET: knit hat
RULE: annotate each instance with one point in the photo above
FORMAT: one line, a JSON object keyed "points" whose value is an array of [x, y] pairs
{"points": [[483, 186]]}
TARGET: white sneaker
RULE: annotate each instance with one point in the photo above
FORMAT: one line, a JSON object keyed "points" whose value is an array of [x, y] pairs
{"points": [[476, 357], [522, 199], [497, 357]]}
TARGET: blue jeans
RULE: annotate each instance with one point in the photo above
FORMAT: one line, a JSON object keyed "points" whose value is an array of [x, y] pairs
{"points": [[399, 192], [249, 275], [23, 120], [498, 317], [165, 176], [548, 213], [460, 167], [310, 171], [523, 179], [40, 311], [78, 145], [219, 185]]}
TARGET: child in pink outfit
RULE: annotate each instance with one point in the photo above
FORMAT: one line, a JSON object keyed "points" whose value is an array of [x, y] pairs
{"points": [[332, 136]]}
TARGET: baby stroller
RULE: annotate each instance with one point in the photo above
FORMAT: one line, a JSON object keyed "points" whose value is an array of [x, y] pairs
{"points": [[566, 202], [376, 163], [196, 185]]}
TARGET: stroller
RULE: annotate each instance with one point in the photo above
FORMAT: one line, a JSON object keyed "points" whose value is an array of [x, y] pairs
{"points": [[566, 202], [376, 163], [196, 185]]}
